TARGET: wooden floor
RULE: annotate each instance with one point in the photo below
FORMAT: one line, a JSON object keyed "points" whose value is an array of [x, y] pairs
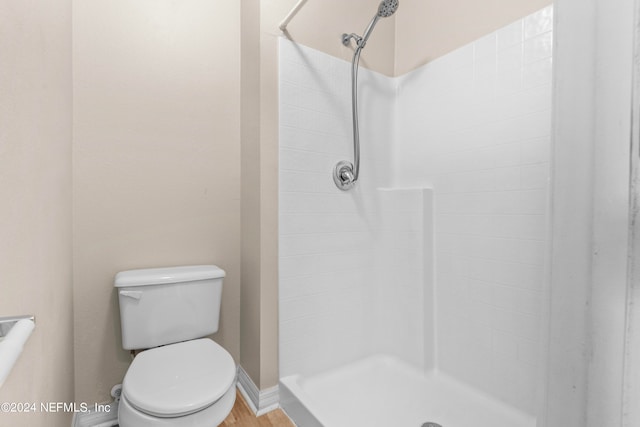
{"points": [[242, 416]]}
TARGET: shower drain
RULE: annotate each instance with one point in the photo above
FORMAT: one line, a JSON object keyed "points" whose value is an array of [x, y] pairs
{"points": [[430, 424]]}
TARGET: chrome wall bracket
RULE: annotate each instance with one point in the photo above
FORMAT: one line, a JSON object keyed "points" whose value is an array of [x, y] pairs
{"points": [[346, 39]]}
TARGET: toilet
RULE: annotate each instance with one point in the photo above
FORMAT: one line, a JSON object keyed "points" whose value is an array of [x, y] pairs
{"points": [[182, 379]]}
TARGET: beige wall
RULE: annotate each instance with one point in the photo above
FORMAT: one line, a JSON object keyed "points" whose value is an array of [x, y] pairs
{"points": [[35, 189], [250, 356], [259, 305], [156, 161], [427, 29]]}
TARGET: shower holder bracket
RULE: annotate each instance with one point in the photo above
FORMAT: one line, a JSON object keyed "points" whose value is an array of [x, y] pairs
{"points": [[346, 38]]}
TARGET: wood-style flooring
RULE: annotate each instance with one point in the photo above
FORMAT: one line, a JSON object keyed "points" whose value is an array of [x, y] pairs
{"points": [[242, 416]]}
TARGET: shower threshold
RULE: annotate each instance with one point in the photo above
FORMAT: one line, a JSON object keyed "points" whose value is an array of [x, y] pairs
{"points": [[381, 391]]}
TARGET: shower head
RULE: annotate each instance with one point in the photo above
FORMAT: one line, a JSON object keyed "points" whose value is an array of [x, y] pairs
{"points": [[387, 8]]}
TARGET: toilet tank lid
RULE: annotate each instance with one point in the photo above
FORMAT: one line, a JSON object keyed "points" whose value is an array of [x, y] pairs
{"points": [[157, 276]]}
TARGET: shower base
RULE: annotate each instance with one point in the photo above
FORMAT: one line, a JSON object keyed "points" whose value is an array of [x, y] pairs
{"points": [[382, 391]]}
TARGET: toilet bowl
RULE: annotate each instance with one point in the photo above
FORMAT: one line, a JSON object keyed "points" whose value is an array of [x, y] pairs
{"points": [[183, 380]]}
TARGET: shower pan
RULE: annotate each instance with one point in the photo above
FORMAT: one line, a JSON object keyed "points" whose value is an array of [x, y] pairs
{"points": [[422, 290]]}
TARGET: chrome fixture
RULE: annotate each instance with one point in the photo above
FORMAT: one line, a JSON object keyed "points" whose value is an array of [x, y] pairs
{"points": [[345, 174]]}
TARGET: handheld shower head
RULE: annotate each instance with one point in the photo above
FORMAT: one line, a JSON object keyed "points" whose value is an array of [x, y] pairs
{"points": [[387, 8]]}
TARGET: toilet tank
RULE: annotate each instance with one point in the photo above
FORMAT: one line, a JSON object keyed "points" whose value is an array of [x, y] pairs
{"points": [[161, 306]]}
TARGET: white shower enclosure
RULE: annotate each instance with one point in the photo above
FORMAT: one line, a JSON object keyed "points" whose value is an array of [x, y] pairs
{"points": [[422, 290]]}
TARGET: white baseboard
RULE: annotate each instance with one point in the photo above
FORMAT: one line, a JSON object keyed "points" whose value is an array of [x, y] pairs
{"points": [[108, 417], [260, 401]]}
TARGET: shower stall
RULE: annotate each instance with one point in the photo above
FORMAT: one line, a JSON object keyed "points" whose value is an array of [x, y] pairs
{"points": [[419, 295]]}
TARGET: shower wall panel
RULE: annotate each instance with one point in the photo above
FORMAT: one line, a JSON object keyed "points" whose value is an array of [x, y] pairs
{"points": [[350, 267], [475, 126]]}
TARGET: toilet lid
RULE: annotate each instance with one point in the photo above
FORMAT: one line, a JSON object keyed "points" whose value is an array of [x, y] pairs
{"points": [[179, 379]]}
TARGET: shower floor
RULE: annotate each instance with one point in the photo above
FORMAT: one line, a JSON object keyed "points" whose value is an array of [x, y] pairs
{"points": [[381, 391]]}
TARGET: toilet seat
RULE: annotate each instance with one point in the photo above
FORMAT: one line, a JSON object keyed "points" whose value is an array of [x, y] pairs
{"points": [[179, 379]]}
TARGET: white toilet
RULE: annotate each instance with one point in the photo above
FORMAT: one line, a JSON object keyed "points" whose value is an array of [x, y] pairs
{"points": [[183, 379]]}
